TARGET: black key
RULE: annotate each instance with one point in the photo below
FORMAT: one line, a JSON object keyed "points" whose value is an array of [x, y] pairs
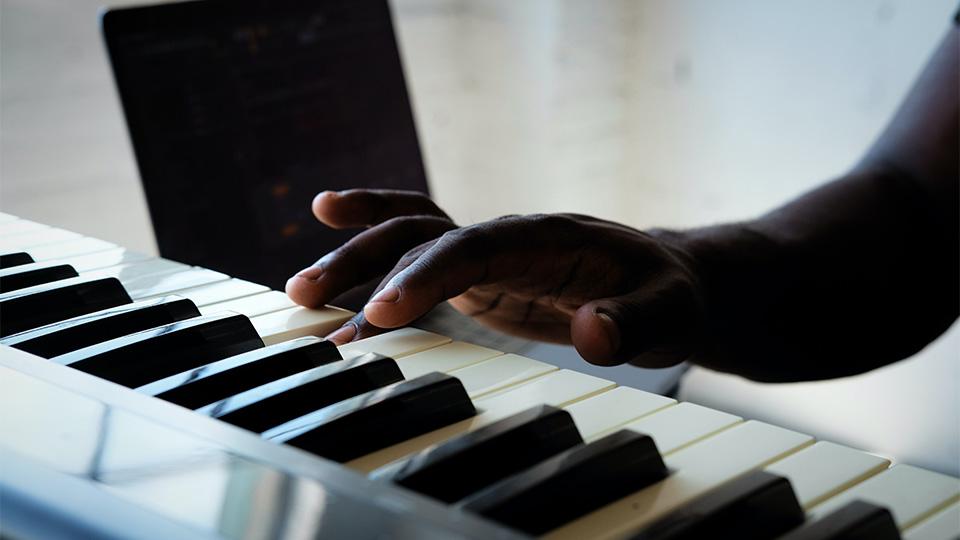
{"points": [[79, 332], [273, 404], [230, 376], [146, 356], [377, 419], [857, 520], [757, 506], [9, 260], [52, 302], [572, 484], [473, 461], [30, 275]]}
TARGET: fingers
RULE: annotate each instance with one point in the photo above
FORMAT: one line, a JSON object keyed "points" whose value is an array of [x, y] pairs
{"points": [[424, 278], [358, 327], [658, 325], [370, 254], [354, 329], [367, 207], [496, 251]]}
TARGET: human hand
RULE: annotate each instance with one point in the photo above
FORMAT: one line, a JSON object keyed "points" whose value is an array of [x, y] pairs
{"points": [[616, 293]]}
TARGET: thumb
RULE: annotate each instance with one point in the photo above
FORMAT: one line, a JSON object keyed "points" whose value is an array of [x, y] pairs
{"points": [[658, 325]]}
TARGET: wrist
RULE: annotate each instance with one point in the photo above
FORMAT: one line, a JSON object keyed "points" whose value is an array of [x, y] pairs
{"points": [[741, 274]]}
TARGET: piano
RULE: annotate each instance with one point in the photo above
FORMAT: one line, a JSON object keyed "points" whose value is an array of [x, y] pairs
{"points": [[146, 398]]}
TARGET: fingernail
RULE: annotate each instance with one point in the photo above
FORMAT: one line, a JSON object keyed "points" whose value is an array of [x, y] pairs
{"points": [[313, 273], [610, 328], [343, 334], [389, 295]]}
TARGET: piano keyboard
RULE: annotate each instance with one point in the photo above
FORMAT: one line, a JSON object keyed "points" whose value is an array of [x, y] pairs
{"points": [[142, 376]]}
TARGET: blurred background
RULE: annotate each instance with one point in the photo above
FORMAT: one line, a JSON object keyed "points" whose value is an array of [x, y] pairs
{"points": [[649, 112]]}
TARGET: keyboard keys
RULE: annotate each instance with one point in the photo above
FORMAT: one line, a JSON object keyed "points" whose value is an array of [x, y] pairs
{"points": [[381, 418], [29, 275], [218, 292], [165, 283], [86, 330], [825, 469], [130, 272], [36, 238], [147, 356], [445, 358], [37, 306], [856, 520], [259, 303], [910, 493], [473, 461], [9, 260], [696, 469], [103, 259], [396, 344], [491, 375], [682, 425], [297, 322], [283, 400], [224, 378], [601, 414], [558, 389], [20, 226], [571, 484], [942, 525], [71, 248], [757, 506]]}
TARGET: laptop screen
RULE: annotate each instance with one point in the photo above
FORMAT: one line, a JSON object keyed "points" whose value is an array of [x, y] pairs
{"points": [[241, 111]]}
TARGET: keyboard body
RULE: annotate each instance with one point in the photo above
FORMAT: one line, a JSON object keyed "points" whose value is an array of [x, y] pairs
{"points": [[86, 457]]}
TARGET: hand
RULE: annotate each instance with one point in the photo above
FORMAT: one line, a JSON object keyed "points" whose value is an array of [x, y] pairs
{"points": [[617, 294]]}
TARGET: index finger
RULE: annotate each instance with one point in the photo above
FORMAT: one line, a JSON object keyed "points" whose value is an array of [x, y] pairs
{"points": [[367, 207], [460, 259]]}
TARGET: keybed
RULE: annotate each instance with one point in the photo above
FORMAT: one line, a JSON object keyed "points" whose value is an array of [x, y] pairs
{"points": [[450, 396]]}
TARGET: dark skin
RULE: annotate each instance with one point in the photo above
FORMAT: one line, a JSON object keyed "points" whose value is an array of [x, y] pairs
{"points": [[858, 273]]}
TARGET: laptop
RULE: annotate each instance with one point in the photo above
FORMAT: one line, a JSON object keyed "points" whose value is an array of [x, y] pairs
{"points": [[240, 111]]}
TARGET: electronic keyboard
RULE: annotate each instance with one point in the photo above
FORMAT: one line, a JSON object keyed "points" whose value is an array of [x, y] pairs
{"points": [[144, 397]]}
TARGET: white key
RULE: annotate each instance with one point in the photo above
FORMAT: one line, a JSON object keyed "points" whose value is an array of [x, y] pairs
{"points": [[825, 469], [558, 388], [259, 303], [4, 218], [72, 248], [445, 358], [20, 226], [159, 284], [500, 372], [298, 322], [104, 259], [698, 468], [602, 414], [910, 493], [395, 344], [37, 238], [681, 425], [129, 273], [944, 525], [221, 291]]}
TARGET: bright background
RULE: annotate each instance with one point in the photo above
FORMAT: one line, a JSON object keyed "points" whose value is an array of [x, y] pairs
{"points": [[666, 112]]}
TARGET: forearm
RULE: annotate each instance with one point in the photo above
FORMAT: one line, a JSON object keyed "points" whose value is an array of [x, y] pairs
{"points": [[849, 277], [856, 274]]}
